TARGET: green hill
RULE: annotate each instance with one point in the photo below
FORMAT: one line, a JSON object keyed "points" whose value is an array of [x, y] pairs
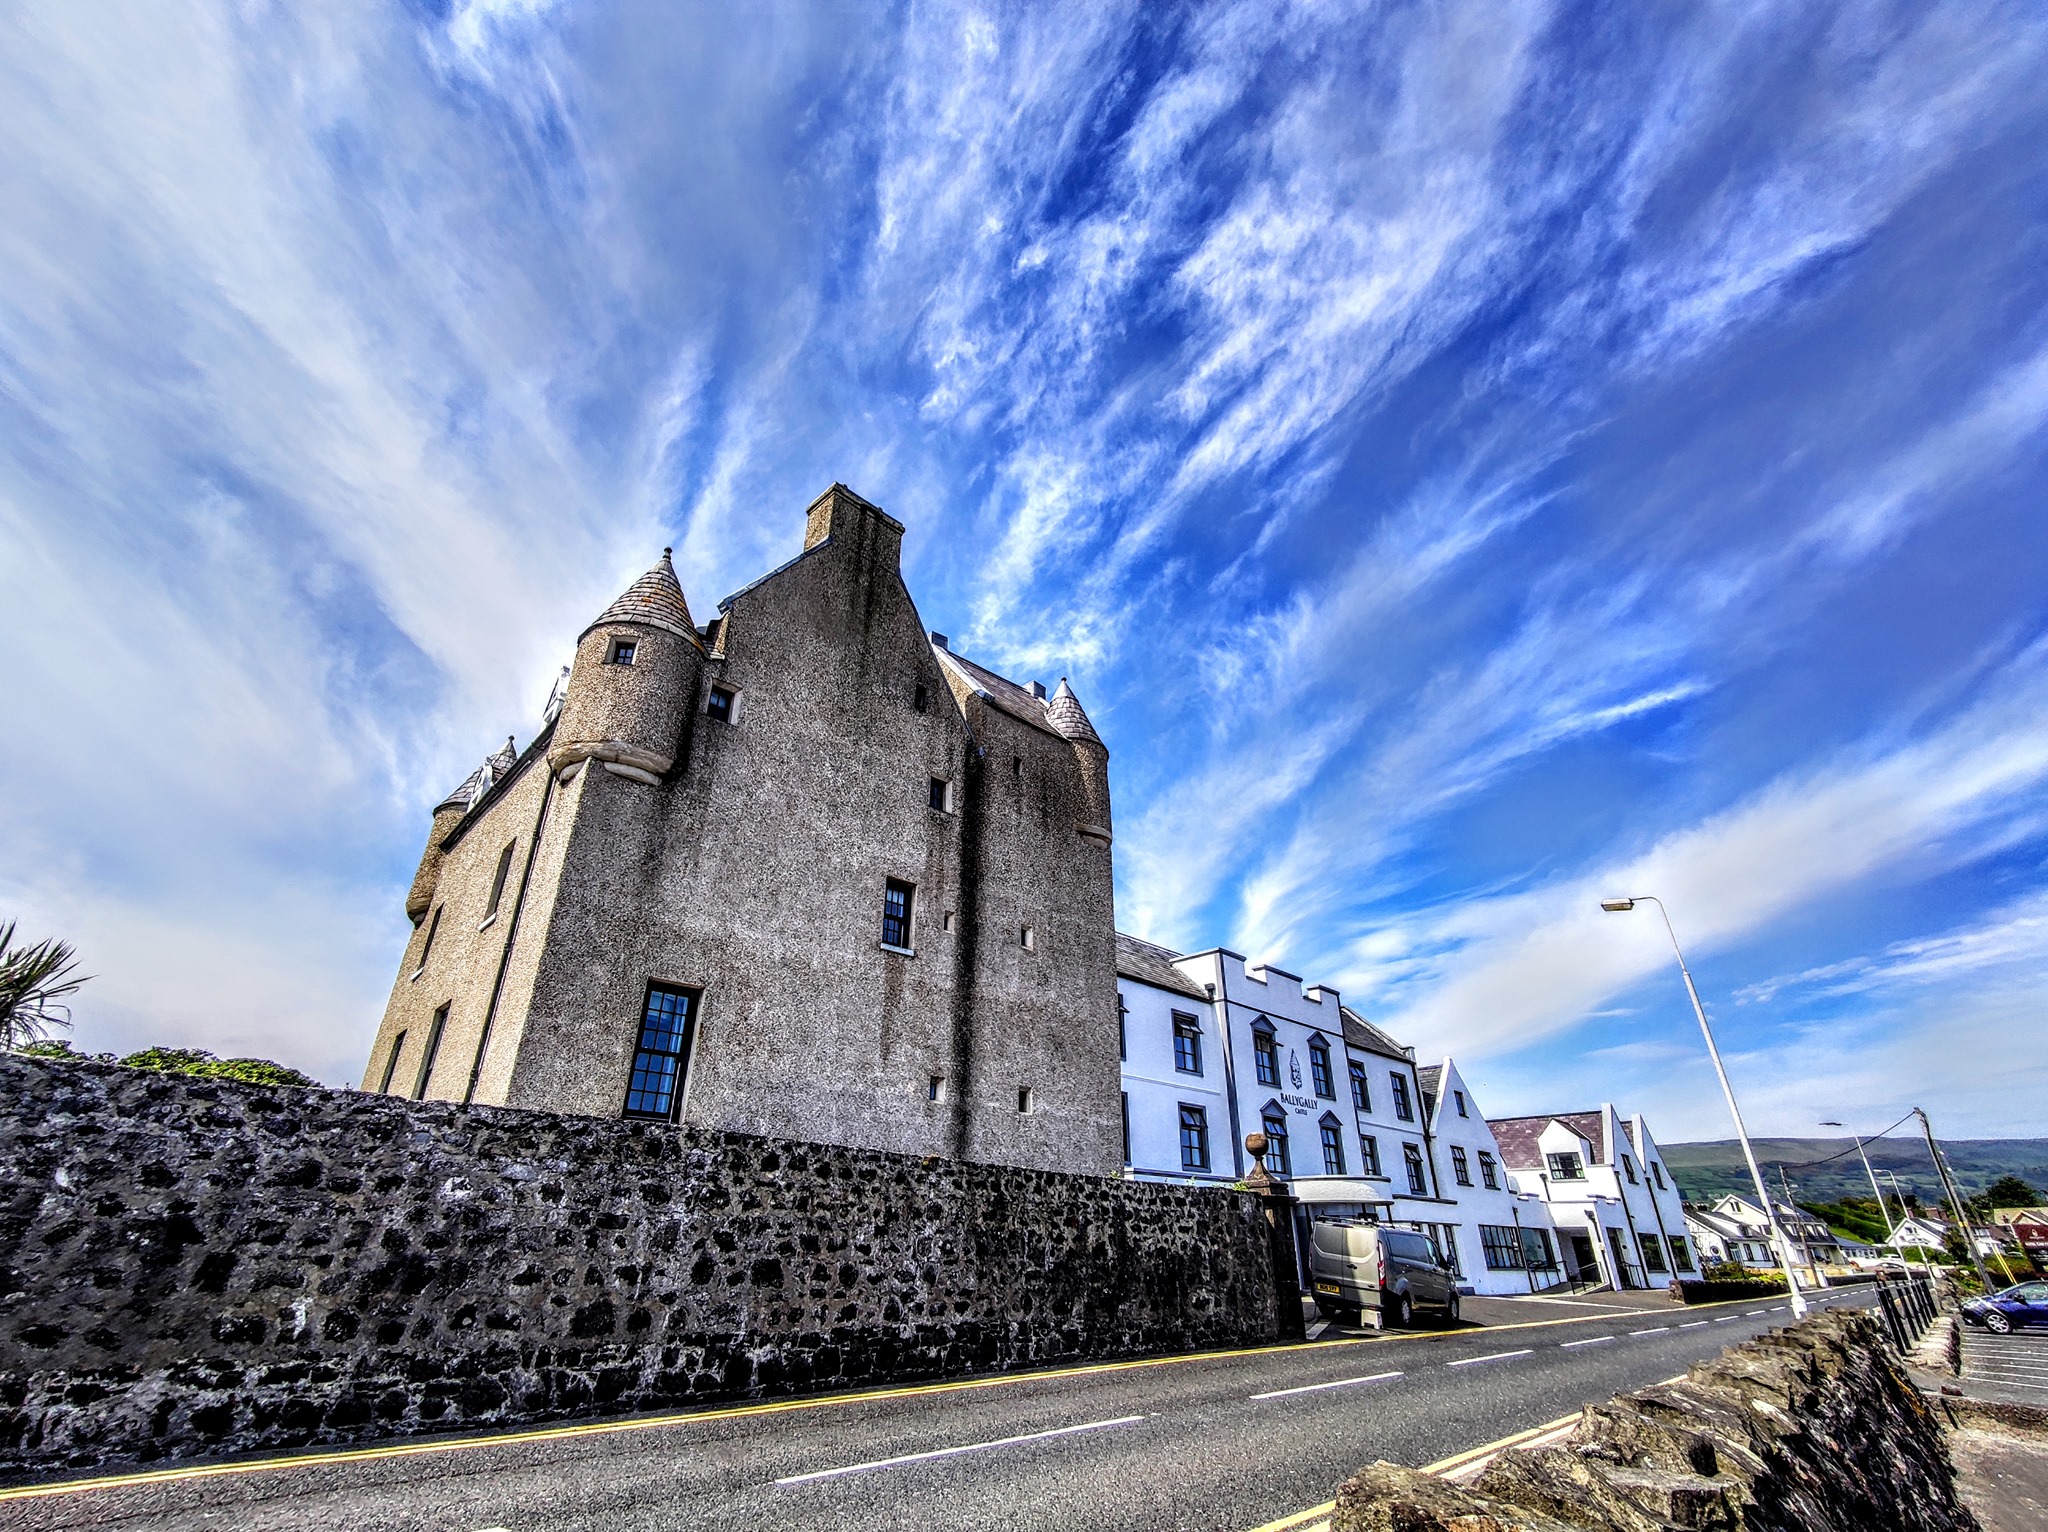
{"points": [[1708, 1170]]}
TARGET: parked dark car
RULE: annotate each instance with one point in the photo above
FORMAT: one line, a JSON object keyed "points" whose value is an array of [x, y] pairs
{"points": [[2024, 1303]]}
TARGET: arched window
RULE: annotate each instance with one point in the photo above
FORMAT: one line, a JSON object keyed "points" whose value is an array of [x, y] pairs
{"points": [[1319, 1069], [1265, 1056], [1274, 1118], [1333, 1144]]}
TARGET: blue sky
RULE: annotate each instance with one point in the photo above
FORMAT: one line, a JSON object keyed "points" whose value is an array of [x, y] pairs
{"points": [[1469, 460]]}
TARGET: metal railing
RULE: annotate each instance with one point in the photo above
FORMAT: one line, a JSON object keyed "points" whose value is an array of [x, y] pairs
{"points": [[1908, 1308]]}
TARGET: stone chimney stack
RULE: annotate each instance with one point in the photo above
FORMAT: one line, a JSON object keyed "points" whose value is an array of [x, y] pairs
{"points": [[843, 517]]}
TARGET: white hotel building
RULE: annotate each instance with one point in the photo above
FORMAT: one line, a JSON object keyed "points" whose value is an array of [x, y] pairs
{"points": [[1215, 1048]]}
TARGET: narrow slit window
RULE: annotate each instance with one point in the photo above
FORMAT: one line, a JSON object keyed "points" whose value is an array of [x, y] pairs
{"points": [[498, 878], [935, 1088], [1028, 939], [949, 921], [391, 1064], [941, 794], [427, 947], [434, 1032], [1024, 1098], [898, 901], [919, 699], [655, 1087]]}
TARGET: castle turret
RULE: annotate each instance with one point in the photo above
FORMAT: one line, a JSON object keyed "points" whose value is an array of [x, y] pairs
{"points": [[1064, 713], [447, 815], [634, 682]]}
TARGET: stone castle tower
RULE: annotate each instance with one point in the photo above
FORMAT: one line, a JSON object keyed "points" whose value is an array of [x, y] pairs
{"points": [[801, 871]]}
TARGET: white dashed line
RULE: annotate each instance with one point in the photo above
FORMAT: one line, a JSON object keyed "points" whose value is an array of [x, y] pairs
{"points": [[948, 1452], [1696, 1324], [1653, 1330], [1722, 1319], [1597, 1340], [1311, 1388], [1497, 1356], [1752, 1313]]}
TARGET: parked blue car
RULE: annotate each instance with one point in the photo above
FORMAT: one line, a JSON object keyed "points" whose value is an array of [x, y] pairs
{"points": [[2025, 1303]]}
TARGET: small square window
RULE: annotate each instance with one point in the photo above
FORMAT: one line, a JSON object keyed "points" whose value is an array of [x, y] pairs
{"points": [[623, 650], [719, 704], [1023, 1098], [1028, 939], [941, 793], [949, 921]]}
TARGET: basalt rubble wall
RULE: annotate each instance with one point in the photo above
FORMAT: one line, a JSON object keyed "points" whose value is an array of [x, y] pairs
{"points": [[1813, 1428], [196, 1267]]}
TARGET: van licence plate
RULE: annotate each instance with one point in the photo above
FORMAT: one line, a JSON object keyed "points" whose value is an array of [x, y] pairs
{"points": [[1330, 1288]]}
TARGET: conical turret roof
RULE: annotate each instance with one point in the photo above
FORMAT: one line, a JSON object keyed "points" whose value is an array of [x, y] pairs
{"points": [[1064, 714], [655, 599]]}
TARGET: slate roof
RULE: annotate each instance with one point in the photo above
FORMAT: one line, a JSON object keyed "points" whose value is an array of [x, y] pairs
{"points": [[1430, 1077], [495, 765], [1151, 964], [1517, 1136], [1064, 713], [1360, 1033], [656, 599], [1016, 700]]}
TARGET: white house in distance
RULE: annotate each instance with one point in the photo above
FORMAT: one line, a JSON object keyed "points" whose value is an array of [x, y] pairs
{"points": [[1178, 1123], [1730, 1229], [1502, 1239], [1616, 1210]]}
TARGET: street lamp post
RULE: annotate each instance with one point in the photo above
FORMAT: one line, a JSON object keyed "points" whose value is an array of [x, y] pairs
{"points": [[1926, 1266], [1889, 1226], [1756, 1175]]}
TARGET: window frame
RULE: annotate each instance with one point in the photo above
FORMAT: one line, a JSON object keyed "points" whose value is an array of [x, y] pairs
{"points": [[1500, 1247], [623, 651], [686, 1037], [1418, 1176], [1194, 1152], [1461, 1167], [1404, 1104], [1331, 1130], [715, 694], [1489, 1171], [906, 925], [1187, 1030], [1369, 1156], [1361, 1088], [1270, 1115], [1682, 1259], [499, 879], [1321, 1078], [939, 795], [1265, 1054], [1565, 1165], [437, 1032], [1460, 1098], [391, 1063], [427, 947]]}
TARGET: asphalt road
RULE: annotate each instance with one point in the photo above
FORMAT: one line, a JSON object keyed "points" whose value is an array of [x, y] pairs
{"points": [[1225, 1442]]}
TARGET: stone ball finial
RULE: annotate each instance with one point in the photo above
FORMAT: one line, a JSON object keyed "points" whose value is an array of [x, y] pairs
{"points": [[1255, 1145]]}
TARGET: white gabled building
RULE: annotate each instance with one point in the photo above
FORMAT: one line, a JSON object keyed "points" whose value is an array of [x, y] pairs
{"points": [[1503, 1238], [1177, 1115], [1616, 1210]]}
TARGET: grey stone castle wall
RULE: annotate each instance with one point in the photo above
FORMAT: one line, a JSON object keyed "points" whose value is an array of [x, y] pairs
{"points": [[194, 1266]]}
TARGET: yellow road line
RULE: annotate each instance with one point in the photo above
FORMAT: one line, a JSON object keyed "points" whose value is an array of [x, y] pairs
{"points": [[774, 1407]]}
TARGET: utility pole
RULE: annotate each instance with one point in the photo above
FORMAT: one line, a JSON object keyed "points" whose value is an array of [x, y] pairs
{"points": [[1955, 1199], [1794, 1209], [1881, 1212]]}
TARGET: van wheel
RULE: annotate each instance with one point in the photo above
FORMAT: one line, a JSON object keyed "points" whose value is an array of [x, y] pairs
{"points": [[1404, 1311], [1451, 1310]]}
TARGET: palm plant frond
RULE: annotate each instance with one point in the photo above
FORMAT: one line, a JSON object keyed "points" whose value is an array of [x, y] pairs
{"points": [[33, 984]]}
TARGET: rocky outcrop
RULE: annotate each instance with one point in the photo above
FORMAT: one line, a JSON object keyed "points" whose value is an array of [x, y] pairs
{"points": [[1808, 1429], [198, 1267]]}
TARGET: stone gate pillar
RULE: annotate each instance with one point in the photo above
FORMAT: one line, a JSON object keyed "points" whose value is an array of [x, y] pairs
{"points": [[1278, 1203]]}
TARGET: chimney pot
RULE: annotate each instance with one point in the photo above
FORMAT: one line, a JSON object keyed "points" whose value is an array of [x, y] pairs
{"points": [[1038, 690], [939, 641]]}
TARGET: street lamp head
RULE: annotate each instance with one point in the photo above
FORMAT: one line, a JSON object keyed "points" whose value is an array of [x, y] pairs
{"points": [[1616, 906], [1830, 1124]]}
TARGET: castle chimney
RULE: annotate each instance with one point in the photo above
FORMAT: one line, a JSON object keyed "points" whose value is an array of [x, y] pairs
{"points": [[842, 516]]}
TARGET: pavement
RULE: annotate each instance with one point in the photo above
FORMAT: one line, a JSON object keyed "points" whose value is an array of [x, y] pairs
{"points": [[2012, 1369], [1222, 1440]]}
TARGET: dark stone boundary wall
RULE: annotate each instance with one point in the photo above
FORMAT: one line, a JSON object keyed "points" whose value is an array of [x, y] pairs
{"points": [[1809, 1429], [199, 1267]]}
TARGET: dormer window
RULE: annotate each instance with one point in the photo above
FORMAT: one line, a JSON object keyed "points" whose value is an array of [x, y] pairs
{"points": [[1566, 1166], [719, 704], [623, 650]]}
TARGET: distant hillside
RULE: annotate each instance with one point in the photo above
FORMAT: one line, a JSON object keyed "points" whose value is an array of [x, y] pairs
{"points": [[1710, 1170]]}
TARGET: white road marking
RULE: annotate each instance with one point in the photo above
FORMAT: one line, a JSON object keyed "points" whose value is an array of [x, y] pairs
{"points": [[1722, 1319], [1752, 1313], [1781, 1308], [1598, 1340], [949, 1452], [1653, 1330], [1311, 1388], [1497, 1356], [1695, 1324]]}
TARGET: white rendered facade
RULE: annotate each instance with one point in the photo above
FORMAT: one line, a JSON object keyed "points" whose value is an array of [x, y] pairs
{"points": [[1504, 1239], [1615, 1207]]}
